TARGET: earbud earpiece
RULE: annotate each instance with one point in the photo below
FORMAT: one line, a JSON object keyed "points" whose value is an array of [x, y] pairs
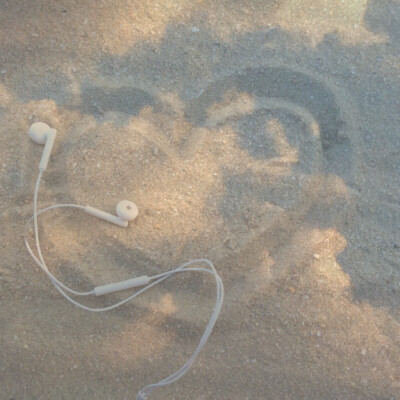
{"points": [[41, 133], [126, 211]]}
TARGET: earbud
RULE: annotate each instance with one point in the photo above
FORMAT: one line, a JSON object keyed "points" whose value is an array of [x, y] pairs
{"points": [[41, 133], [126, 211]]}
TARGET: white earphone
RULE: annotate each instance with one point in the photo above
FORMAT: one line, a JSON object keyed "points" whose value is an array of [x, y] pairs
{"points": [[126, 210], [41, 133]]}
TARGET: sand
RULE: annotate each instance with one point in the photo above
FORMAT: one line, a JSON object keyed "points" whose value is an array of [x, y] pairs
{"points": [[262, 135]]}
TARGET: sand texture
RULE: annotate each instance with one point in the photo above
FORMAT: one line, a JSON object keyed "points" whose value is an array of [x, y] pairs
{"points": [[263, 135]]}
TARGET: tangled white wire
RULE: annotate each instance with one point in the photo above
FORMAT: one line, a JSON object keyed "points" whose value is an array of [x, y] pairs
{"points": [[143, 393]]}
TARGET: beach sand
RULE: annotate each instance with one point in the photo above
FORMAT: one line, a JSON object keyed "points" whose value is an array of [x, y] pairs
{"points": [[263, 135]]}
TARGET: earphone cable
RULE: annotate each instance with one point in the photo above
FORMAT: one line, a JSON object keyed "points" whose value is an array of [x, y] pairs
{"points": [[143, 393]]}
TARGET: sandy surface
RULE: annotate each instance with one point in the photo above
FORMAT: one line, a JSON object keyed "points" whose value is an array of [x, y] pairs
{"points": [[264, 135]]}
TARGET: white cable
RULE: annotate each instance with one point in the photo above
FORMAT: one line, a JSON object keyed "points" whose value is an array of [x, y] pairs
{"points": [[42, 264], [143, 393]]}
